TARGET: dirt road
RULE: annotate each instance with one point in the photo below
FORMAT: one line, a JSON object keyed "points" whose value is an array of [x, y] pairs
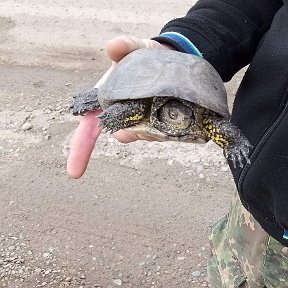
{"points": [[141, 214]]}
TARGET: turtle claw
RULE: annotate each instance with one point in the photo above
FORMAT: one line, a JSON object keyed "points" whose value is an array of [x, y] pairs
{"points": [[85, 101], [108, 122], [238, 152]]}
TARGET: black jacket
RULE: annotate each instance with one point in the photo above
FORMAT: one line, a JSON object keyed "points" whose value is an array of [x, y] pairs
{"points": [[231, 34]]}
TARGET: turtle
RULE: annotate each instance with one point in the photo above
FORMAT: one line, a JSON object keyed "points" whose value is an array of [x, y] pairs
{"points": [[166, 95]]}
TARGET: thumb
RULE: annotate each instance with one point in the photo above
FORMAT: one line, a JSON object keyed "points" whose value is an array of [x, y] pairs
{"points": [[120, 46]]}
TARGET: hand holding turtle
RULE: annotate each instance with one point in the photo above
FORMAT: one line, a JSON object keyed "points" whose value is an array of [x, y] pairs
{"points": [[88, 130], [162, 95]]}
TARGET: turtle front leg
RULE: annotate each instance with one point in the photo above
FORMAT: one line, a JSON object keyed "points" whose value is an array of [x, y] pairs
{"points": [[229, 137], [122, 115], [85, 101]]}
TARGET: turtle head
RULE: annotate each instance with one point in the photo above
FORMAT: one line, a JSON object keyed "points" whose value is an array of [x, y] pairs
{"points": [[173, 119]]}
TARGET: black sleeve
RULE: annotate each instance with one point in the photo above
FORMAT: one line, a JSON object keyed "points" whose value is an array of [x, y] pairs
{"points": [[226, 32]]}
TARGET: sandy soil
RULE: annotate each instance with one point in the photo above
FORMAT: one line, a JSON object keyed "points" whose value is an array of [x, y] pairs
{"points": [[141, 215]]}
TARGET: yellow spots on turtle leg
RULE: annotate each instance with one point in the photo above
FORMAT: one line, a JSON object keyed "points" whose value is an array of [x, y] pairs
{"points": [[214, 132], [134, 118], [133, 113]]}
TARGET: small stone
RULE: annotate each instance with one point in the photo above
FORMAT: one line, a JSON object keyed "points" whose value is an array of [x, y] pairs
{"points": [[68, 279], [47, 137], [82, 276], [48, 272], [196, 274], [117, 282], [27, 126], [199, 168], [46, 255], [37, 271], [224, 168], [170, 162], [48, 111]]}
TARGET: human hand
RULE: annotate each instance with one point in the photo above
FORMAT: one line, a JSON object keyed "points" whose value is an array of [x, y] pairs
{"points": [[88, 131]]}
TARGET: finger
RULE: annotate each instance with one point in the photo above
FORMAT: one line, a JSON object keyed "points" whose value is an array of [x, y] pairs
{"points": [[120, 46], [125, 137], [82, 144]]}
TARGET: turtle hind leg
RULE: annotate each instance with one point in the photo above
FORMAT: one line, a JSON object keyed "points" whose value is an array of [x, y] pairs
{"points": [[122, 115], [235, 145], [85, 101]]}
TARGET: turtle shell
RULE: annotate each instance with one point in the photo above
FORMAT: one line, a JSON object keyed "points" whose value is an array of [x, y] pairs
{"points": [[149, 72]]}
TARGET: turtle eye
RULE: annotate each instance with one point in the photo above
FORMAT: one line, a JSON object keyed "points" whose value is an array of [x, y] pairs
{"points": [[176, 114], [173, 114]]}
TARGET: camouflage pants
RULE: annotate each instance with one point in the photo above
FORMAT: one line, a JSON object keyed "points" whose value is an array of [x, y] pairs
{"points": [[244, 255]]}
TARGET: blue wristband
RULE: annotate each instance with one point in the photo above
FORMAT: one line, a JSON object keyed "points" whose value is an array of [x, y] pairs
{"points": [[183, 42], [285, 235]]}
